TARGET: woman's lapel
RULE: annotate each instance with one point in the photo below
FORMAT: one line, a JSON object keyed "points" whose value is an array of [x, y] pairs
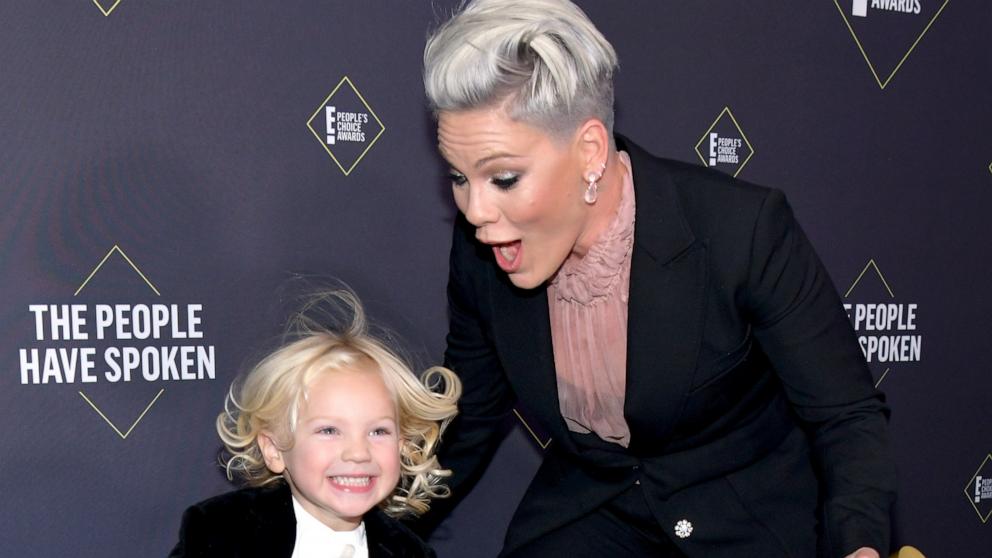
{"points": [[665, 312], [522, 333], [273, 532]]}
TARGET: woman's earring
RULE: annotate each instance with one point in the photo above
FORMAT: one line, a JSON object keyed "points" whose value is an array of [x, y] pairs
{"points": [[592, 190]]}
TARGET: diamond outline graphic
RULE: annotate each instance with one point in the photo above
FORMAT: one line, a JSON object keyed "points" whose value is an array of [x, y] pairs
{"points": [[970, 496], [382, 127], [871, 264], [544, 445], [990, 167], [726, 110], [123, 435], [106, 12], [117, 249], [871, 66]]}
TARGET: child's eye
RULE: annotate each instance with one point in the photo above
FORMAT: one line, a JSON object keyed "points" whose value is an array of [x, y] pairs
{"points": [[329, 430], [381, 431], [457, 178]]}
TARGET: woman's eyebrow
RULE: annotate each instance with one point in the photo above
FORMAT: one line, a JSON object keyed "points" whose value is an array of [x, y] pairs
{"points": [[499, 155]]}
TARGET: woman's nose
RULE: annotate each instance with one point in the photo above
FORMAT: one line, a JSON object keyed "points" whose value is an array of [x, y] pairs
{"points": [[480, 210]]}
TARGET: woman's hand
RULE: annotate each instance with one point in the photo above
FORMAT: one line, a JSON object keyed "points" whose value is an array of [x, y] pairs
{"points": [[864, 552]]}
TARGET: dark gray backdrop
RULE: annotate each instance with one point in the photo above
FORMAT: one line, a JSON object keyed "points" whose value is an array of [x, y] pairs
{"points": [[177, 132]]}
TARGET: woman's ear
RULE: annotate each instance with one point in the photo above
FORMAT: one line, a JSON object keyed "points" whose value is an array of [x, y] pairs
{"points": [[593, 144], [271, 453]]}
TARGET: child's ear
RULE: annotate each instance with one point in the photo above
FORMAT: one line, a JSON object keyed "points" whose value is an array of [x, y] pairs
{"points": [[271, 453]]}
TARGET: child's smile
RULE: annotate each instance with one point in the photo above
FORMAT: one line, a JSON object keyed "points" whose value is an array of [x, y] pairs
{"points": [[345, 457], [358, 483]]}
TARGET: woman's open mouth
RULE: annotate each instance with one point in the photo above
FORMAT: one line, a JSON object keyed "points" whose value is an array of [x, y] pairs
{"points": [[508, 255]]}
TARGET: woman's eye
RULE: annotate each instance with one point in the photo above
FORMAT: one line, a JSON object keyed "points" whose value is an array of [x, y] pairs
{"points": [[505, 181], [457, 179]]}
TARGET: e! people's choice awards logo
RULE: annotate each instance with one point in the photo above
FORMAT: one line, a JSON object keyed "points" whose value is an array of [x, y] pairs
{"points": [[724, 145], [887, 328], [887, 31], [98, 341], [345, 125], [979, 489]]}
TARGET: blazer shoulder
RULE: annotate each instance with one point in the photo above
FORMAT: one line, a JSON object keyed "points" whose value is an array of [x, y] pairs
{"points": [[388, 536], [709, 200], [247, 510], [245, 499], [260, 520], [691, 180]]}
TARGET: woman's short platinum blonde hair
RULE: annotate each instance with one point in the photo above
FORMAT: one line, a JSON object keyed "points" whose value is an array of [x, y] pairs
{"points": [[542, 59], [268, 399]]}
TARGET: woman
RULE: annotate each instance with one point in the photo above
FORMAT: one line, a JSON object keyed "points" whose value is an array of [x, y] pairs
{"points": [[671, 327]]}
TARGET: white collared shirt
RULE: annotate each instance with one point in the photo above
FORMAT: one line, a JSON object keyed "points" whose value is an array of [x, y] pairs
{"points": [[316, 540]]}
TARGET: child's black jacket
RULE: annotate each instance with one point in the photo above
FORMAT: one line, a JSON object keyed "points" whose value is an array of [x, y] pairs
{"points": [[260, 522]]}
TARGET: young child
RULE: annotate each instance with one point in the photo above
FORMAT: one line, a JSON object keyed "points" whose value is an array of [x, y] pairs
{"points": [[335, 438]]}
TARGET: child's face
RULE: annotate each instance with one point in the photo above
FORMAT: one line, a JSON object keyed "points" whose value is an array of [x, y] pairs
{"points": [[346, 453]]}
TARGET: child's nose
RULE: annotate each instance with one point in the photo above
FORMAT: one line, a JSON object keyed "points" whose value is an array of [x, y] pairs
{"points": [[357, 450]]}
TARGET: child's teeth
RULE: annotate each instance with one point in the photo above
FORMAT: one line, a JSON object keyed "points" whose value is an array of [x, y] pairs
{"points": [[351, 481]]}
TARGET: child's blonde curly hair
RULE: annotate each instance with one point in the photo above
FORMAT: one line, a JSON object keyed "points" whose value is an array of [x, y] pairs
{"points": [[268, 400]]}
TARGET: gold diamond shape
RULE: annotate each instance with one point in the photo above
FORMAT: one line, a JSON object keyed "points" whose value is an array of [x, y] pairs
{"points": [[382, 127], [106, 11], [545, 444], [727, 111], [872, 265], [882, 84], [123, 435], [117, 249], [128, 260], [970, 496]]}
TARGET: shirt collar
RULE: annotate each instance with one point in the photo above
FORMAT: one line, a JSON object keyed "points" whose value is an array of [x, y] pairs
{"points": [[316, 540]]}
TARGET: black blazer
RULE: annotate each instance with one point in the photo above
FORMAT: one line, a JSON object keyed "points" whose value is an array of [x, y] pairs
{"points": [[260, 522], [751, 409]]}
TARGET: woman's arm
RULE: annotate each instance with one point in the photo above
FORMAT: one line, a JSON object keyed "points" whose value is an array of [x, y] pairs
{"points": [[800, 323]]}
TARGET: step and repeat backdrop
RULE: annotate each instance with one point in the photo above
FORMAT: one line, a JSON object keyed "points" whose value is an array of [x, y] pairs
{"points": [[168, 166]]}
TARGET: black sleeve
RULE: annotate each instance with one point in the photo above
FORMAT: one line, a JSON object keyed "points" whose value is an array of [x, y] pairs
{"points": [[800, 323], [192, 535]]}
